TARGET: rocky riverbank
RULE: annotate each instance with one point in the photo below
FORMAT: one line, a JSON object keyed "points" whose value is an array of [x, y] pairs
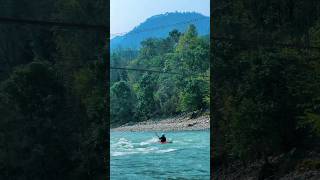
{"points": [[180, 123]]}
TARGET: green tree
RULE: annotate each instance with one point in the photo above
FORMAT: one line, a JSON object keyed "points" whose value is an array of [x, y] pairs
{"points": [[39, 129], [122, 103], [146, 100], [192, 97]]}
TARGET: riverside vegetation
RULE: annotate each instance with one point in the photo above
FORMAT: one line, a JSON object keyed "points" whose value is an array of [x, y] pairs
{"points": [[265, 85], [181, 86], [53, 120]]}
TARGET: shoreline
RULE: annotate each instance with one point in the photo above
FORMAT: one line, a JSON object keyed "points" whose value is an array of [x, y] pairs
{"points": [[182, 123]]}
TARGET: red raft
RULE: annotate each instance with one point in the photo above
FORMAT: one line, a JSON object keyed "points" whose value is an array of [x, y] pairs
{"points": [[165, 142]]}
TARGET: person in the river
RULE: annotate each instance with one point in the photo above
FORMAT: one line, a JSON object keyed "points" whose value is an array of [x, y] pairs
{"points": [[163, 138]]}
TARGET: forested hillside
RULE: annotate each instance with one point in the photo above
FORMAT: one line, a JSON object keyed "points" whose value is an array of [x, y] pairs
{"points": [[165, 77], [52, 91], [266, 82], [159, 26]]}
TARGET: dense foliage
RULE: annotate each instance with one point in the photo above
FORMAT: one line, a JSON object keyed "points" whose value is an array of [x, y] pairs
{"points": [[266, 79], [182, 85], [52, 92]]}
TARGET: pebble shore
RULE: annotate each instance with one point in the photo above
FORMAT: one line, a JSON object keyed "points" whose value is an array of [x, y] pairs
{"points": [[182, 123]]}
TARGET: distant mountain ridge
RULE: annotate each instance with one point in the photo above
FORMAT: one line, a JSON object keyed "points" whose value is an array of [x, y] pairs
{"points": [[159, 26]]}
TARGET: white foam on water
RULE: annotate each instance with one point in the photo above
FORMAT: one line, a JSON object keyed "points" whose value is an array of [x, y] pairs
{"points": [[150, 141], [125, 147], [122, 153], [123, 144], [146, 150], [166, 150]]}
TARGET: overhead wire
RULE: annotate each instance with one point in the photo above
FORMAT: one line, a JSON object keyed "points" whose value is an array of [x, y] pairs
{"points": [[100, 27], [168, 25], [159, 27], [96, 27], [265, 43]]}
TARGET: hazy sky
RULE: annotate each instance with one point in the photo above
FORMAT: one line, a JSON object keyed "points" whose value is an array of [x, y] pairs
{"points": [[126, 14]]}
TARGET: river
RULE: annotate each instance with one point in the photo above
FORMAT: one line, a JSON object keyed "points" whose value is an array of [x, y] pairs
{"points": [[138, 155]]}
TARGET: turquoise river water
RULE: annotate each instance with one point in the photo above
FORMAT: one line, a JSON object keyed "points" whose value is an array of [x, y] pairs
{"points": [[139, 156]]}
